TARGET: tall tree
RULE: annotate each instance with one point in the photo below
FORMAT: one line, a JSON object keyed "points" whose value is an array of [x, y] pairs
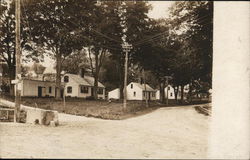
{"points": [[7, 38], [134, 23], [192, 25], [52, 29]]}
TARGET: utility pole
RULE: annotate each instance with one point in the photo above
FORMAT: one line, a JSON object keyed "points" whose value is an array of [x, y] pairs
{"points": [[126, 48], [167, 78], [18, 63], [145, 88]]}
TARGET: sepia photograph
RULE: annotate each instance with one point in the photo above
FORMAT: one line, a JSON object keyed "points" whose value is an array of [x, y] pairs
{"points": [[102, 79]]}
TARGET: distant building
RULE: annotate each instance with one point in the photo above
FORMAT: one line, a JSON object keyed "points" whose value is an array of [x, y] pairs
{"points": [[170, 90], [82, 86], [135, 91]]}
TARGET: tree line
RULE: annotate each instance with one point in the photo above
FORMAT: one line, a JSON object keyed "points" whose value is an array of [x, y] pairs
{"points": [[89, 34]]}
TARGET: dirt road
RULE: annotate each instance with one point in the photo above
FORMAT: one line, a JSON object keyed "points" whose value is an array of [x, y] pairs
{"points": [[177, 132]]}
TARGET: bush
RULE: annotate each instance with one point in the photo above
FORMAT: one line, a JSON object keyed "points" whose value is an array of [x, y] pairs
{"points": [[90, 98]]}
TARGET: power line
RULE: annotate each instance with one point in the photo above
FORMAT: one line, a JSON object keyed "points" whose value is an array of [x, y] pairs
{"points": [[79, 26], [158, 36], [106, 36]]}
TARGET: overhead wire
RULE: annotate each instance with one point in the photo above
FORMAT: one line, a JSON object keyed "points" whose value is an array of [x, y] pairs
{"points": [[78, 26], [159, 36]]}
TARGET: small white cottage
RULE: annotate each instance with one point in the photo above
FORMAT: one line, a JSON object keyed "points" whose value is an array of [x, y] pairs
{"points": [[81, 86], [37, 88], [169, 93], [135, 91]]}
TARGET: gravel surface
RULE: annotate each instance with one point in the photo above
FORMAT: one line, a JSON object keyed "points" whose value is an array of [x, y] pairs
{"points": [[175, 132]]}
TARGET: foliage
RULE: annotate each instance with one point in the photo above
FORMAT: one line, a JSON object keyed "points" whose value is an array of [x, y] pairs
{"points": [[7, 38]]}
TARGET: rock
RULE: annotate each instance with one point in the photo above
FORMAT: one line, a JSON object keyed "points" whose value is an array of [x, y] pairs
{"points": [[52, 124], [48, 117]]}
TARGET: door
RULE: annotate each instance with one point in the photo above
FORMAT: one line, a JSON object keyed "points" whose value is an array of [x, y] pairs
{"points": [[92, 92], [62, 93], [40, 91]]}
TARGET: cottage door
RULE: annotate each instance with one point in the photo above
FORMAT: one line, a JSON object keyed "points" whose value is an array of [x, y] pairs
{"points": [[92, 91], [62, 92], [40, 91]]}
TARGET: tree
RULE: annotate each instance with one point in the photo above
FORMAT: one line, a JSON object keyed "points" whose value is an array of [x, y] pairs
{"points": [[155, 53], [192, 25], [134, 22], [76, 60], [38, 68], [7, 39], [52, 29]]}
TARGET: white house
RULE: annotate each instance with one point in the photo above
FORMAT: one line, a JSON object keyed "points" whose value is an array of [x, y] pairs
{"points": [[169, 93], [114, 94], [81, 86], [37, 88], [135, 91]]}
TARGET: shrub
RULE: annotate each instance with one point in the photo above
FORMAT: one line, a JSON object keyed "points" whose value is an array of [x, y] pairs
{"points": [[90, 98]]}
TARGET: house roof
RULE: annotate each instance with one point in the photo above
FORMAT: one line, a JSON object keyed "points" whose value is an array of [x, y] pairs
{"points": [[91, 81], [148, 88], [86, 81]]}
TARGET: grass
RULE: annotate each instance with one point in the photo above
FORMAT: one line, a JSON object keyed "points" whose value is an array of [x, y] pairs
{"points": [[100, 109]]}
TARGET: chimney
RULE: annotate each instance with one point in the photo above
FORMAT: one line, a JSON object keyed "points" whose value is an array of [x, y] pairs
{"points": [[81, 72]]}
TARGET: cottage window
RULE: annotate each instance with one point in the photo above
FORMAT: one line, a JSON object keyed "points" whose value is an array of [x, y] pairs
{"points": [[171, 94], [69, 89], [66, 78], [84, 89], [50, 89], [100, 91], [131, 86], [153, 94], [168, 88], [134, 94]]}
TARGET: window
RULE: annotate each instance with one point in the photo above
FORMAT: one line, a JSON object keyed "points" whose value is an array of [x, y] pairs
{"points": [[69, 89], [168, 88], [84, 89], [100, 91], [50, 89], [171, 94], [153, 94], [131, 86], [134, 94], [66, 78]]}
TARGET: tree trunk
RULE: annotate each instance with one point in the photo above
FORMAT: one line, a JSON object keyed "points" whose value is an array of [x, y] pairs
{"points": [[121, 85], [182, 92], [162, 91], [176, 90], [95, 86], [96, 76], [190, 92], [12, 74], [58, 74]]}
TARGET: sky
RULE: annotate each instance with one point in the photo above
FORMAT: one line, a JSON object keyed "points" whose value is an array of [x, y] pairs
{"points": [[159, 10]]}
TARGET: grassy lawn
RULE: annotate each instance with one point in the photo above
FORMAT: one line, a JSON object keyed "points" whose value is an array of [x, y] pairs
{"points": [[100, 109], [90, 108]]}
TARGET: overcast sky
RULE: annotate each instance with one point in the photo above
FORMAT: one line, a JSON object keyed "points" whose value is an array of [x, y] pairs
{"points": [[159, 10]]}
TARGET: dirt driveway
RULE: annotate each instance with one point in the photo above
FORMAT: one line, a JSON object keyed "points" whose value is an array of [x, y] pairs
{"points": [[176, 132]]}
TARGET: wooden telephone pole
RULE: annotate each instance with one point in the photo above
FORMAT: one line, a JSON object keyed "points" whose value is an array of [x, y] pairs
{"points": [[167, 79], [147, 95], [18, 63], [126, 48]]}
